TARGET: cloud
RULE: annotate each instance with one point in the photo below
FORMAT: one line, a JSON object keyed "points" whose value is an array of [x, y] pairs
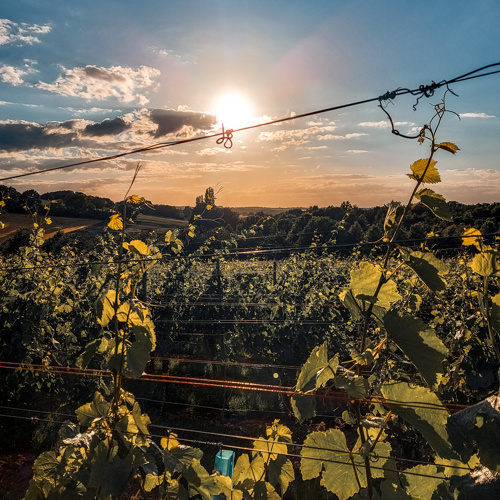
{"points": [[107, 127], [476, 115], [356, 151], [171, 121], [295, 137], [21, 34], [23, 136], [92, 82], [14, 75], [331, 137], [383, 124]]}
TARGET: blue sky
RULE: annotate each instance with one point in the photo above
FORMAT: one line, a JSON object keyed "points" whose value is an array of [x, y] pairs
{"points": [[81, 80]]}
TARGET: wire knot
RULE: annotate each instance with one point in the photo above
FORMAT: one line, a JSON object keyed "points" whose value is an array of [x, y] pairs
{"points": [[388, 95], [428, 90], [226, 139]]}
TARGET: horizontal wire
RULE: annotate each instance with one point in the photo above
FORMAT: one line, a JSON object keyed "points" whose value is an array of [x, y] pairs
{"points": [[421, 91], [235, 436], [169, 258], [329, 394]]}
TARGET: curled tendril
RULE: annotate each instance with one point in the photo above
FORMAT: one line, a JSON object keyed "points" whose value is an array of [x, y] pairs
{"points": [[226, 139]]}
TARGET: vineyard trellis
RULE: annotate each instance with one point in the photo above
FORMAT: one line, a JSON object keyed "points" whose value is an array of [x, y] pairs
{"points": [[383, 298]]}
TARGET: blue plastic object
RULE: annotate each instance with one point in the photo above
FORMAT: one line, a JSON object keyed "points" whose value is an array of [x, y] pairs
{"points": [[224, 463]]}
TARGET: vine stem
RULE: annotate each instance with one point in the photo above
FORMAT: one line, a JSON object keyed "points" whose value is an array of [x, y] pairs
{"points": [[491, 333]]}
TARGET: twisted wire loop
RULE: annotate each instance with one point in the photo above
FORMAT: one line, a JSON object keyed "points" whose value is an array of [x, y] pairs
{"points": [[396, 131], [226, 139]]}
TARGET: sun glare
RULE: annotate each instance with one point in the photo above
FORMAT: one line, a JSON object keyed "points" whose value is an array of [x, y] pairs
{"points": [[233, 110]]}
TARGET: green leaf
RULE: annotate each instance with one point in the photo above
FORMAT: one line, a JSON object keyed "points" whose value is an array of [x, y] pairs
{"points": [[105, 307], [98, 408], [355, 386], [200, 482], [486, 263], [281, 473], [246, 473], [97, 346], [351, 303], [328, 372], [365, 280], [304, 407], [327, 453], [448, 146], [419, 342], [425, 171], [317, 360], [132, 358], [478, 427], [226, 487], [423, 410], [428, 268], [264, 491], [435, 203], [423, 481], [46, 467]]}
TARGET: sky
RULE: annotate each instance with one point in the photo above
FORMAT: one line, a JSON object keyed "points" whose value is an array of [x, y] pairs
{"points": [[85, 80]]}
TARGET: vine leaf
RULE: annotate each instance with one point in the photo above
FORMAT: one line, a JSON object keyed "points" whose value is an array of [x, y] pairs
{"points": [[419, 342], [435, 203], [315, 373], [317, 360], [304, 407], [365, 280], [423, 410], [423, 482], [98, 408], [356, 387], [247, 473], [105, 307], [474, 428], [115, 222], [327, 452], [226, 487], [428, 268], [46, 467], [486, 263], [495, 312], [425, 171], [97, 346], [448, 146], [281, 473], [472, 237], [200, 481]]}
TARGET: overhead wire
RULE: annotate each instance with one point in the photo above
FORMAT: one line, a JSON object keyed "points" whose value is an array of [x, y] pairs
{"points": [[225, 137], [247, 438], [328, 394]]}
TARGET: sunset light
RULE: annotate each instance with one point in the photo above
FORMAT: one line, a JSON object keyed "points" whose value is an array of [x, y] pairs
{"points": [[233, 110]]}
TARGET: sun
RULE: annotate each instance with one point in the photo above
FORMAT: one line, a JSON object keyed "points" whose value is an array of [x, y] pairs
{"points": [[234, 110]]}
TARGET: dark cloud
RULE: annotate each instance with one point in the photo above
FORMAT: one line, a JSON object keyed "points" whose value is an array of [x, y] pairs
{"points": [[26, 136], [103, 74], [107, 127], [170, 121]]}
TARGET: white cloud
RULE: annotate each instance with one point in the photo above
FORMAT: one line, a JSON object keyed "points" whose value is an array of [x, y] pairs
{"points": [[14, 75], [356, 151], [21, 34], [383, 124], [92, 82], [331, 137], [476, 115]]}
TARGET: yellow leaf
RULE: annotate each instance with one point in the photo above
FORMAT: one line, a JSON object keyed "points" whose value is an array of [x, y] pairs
{"points": [[48, 220], [169, 442], [448, 146], [425, 171], [2, 203], [168, 236], [135, 199], [2, 225], [138, 246], [209, 207], [472, 237], [115, 222]]}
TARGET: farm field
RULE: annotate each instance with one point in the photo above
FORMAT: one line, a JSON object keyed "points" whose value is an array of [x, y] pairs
{"points": [[14, 222]]}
